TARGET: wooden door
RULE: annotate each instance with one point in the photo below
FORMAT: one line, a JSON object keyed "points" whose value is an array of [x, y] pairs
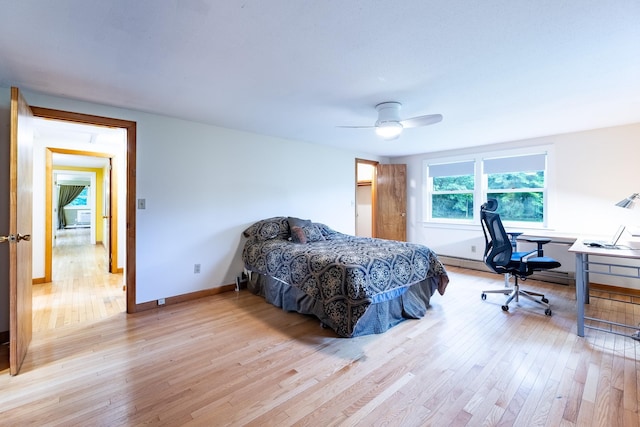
{"points": [[391, 202], [20, 221], [106, 217]]}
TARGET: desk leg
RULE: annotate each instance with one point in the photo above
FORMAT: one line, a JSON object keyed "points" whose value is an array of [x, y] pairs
{"points": [[580, 292], [585, 277]]}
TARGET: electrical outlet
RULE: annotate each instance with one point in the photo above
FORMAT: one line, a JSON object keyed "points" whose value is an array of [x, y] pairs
{"points": [[473, 248], [161, 301], [196, 268]]}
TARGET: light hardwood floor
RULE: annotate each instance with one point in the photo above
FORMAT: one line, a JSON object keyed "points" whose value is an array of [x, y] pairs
{"points": [[81, 291], [233, 359], [82, 288]]}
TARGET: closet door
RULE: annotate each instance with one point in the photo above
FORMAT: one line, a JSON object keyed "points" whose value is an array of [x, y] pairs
{"points": [[391, 202]]}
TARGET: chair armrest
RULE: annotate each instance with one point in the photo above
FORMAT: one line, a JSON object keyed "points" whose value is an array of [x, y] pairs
{"points": [[525, 258], [539, 241], [513, 236]]}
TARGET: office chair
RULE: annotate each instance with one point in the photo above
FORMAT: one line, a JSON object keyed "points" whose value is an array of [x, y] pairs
{"points": [[500, 256]]}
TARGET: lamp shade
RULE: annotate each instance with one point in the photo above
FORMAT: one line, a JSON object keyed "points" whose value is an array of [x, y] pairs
{"points": [[628, 202]]}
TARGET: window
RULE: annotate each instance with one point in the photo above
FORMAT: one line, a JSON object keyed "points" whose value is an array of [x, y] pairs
{"points": [[81, 199], [517, 179], [452, 188], [518, 183]]}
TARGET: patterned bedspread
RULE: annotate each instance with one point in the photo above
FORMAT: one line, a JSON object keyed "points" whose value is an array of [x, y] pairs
{"points": [[346, 273]]}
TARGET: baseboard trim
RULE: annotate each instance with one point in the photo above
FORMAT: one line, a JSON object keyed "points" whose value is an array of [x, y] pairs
{"points": [[615, 289], [185, 297], [41, 280], [559, 277]]}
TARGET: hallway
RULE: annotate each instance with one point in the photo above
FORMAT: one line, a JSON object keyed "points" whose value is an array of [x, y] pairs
{"points": [[82, 289]]}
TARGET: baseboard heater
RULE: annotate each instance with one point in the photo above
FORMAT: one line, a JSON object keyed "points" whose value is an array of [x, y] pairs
{"points": [[552, 276]]}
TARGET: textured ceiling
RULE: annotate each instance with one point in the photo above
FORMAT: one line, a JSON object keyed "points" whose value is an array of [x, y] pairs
{"points": [[496, 70]]}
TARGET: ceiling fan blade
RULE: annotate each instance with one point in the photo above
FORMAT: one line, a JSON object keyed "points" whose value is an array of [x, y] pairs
{"points": [[356, 127], [418, 121]]}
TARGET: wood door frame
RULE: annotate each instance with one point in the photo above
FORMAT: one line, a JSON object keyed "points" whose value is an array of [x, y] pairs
{"points": [[374, 194], [113, 202], [130, 234]]}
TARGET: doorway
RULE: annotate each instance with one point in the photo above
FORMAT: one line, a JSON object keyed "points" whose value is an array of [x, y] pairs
{"points": [[365, 197], [80, 282], [26, 212], [381, 200], [69, 170], [119, 220]]}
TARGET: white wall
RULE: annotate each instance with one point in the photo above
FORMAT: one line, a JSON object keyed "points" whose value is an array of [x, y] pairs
{"points": [[220, 180], [590, 172]]}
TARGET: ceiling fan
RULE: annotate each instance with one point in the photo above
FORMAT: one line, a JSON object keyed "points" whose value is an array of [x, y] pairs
{"points": [[389, 125]]}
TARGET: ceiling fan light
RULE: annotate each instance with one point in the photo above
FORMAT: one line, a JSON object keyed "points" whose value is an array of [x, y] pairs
{"points": [[389, 130]]}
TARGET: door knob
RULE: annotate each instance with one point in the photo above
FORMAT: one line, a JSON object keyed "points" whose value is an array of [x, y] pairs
{"points": [[13, 238]]}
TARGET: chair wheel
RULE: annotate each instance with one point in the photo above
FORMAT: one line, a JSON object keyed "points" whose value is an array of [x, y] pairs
{"points": [[505, 308], [483, 296], [547, 312], [544, 300]]}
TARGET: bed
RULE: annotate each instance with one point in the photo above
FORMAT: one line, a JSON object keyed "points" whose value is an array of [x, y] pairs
{"points": [[354, 285]]}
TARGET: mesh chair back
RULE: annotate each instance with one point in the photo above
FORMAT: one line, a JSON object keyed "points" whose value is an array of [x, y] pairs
{"points": [[498, 249]]}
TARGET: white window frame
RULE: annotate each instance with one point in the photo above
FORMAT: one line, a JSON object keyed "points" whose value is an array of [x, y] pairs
{"points": [[429, 190], [486, 193]]}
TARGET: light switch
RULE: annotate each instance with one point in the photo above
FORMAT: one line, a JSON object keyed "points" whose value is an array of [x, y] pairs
{"points": [[142, 204]]}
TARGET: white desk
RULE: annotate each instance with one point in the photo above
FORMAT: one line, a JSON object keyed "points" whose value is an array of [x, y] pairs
{"points": [[583, 267]]}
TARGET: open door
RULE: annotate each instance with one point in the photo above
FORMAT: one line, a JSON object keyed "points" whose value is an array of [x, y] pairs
{"points": [[391, 202], [106, 217], [19, 237]]}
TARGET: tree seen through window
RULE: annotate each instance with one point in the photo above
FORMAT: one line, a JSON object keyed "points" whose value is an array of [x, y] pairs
{"points": [[81, 199]]}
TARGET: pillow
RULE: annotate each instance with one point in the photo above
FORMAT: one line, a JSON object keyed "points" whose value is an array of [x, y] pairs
{"points": [[266, 229], [297, 234], [304, 231]]}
